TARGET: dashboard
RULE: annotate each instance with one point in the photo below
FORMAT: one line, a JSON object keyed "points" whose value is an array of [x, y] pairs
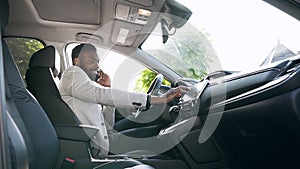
{"points": [[189, 103], [237, 90], [186, 109]]}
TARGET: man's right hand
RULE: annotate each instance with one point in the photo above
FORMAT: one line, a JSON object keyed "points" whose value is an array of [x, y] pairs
{"points": [[169, 95], [104, 79]]}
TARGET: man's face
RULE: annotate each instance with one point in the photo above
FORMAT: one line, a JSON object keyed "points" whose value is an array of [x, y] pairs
{"points": [[89, 61]]}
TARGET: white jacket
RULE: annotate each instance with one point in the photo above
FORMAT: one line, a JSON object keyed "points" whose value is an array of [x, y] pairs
{"points": [[85, 98]]}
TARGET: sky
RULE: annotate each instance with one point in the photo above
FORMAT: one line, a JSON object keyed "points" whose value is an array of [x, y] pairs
{"points": [[242, 37]]}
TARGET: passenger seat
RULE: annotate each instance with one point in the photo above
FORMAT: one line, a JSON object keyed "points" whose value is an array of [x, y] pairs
{"points": [[33, 140]]}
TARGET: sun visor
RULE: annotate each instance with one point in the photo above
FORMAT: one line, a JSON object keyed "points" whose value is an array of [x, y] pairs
{"points": [[125, 33], [72, 11]]}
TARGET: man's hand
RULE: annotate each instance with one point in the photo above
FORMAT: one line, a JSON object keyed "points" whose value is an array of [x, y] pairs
{"points": [[104, 79], [169, 95]]}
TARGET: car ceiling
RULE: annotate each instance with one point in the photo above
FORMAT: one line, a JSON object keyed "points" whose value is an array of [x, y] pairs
{"points": [[61, 21]]}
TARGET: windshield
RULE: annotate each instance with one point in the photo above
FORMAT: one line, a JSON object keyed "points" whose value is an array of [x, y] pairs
{"points": [[233, 35]]}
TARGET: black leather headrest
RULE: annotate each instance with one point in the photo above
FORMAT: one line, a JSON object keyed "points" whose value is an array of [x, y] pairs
{"points": [[3, 14], [46, 57]]}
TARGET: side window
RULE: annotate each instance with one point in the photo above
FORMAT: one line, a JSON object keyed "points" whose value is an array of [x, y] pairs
{"points": [[125, 73], [21, 50]]}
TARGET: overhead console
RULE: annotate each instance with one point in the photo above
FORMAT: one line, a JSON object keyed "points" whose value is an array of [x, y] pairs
{"points": [[142, 2], [136, 17], [132, 14], [130, 19]]}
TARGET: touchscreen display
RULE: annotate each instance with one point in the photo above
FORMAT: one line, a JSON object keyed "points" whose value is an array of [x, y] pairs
{"points": [[195, 91]]}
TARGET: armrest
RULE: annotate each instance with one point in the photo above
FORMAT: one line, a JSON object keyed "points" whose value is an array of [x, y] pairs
{"points": [[76, 132]]}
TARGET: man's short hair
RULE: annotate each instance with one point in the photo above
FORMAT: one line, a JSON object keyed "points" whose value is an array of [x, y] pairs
{"points": [[80, 48]]}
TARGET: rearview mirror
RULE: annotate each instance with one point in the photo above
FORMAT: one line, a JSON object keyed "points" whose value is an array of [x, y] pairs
{"points": [[165, 30], [174, 15]]}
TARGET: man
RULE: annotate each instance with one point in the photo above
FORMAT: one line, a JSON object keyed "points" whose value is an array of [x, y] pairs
{"points": [[86, 96]]}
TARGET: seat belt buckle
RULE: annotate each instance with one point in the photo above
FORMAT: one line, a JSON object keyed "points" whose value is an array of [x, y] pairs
{"points": [[68, 163]]}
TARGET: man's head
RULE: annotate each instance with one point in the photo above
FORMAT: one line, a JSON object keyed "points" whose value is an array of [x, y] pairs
{"points": [[85, 56]]}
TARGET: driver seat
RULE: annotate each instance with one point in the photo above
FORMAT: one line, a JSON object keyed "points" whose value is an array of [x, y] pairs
{"points": [[74, 138], [44, 67]]}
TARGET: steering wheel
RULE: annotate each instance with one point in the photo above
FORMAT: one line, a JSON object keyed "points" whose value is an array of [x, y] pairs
{"points": [[153, 89], [155, 85]]}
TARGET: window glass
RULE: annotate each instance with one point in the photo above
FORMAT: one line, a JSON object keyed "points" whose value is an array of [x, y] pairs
{"points": [[125, 73], [21, 50]]}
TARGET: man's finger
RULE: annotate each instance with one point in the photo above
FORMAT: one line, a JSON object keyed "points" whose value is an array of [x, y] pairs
{"points": [[184, 90]]}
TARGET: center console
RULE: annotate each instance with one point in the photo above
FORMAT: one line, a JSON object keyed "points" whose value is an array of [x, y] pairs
{"points": [[187, 110]]}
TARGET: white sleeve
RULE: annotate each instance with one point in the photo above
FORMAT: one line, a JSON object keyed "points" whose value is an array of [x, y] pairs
{"points": [[109, 116], [76, 83]]}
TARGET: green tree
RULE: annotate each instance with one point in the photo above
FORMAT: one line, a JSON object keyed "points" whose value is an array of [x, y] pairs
{"points": [[189, 53], [22, 49], [144, 81]]}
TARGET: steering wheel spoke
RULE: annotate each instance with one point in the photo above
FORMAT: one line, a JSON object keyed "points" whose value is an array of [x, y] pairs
{"points": [[153, 89], [155, 85]]}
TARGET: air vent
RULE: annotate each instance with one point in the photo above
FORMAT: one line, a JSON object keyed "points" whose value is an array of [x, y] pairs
{"points": [[290, 67], [295, 66]]}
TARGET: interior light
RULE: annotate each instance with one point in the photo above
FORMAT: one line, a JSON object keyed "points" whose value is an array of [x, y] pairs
{"points": [[144, 12]]}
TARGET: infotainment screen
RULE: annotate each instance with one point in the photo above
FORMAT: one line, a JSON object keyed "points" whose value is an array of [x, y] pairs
{"points": [[195, 91]]}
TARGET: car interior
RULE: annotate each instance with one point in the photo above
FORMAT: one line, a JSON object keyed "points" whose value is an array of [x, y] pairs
{"points": [[227, 120]]}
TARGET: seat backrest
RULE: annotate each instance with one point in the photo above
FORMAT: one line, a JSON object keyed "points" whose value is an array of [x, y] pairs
{"points": [[43, 68], [41, 144], [39, 135], [17, 155]]}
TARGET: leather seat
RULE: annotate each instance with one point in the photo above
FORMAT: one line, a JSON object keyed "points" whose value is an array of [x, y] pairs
{"points": [[34, 125], [26, 148], [32, 140], [43, 68]]}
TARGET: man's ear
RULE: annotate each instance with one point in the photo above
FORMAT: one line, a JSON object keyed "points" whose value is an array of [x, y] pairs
{"points": [[76, 61]]}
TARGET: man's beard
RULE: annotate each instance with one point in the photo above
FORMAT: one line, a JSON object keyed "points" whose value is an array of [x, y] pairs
{"points": [[92, 75]]}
